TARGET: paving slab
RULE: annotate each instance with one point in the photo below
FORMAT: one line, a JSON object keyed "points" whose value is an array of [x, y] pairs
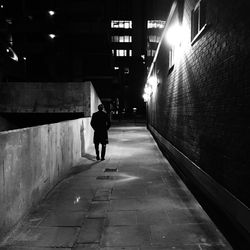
{"points": [[176, 235], [122, 193], [183, 216], [154, 203], [63, 219], [68, 192], [122, 218], [152, 217], [98, 209], [46, 237], [74, 204], [91, 231], [102, 195], [123, 236], [125, 205]]}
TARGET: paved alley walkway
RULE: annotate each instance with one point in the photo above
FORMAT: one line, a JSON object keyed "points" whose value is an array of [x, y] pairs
{"points": [[142, 206]]}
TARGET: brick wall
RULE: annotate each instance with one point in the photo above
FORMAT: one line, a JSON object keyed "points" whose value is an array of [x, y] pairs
{"points": [[203, 104]]}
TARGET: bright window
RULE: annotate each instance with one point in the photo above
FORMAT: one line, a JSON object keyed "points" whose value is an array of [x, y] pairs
{"points": [[121, 39], [121, 52], [151, 52], [121, 24], [198, 19], [154, 39], [155, 24]]}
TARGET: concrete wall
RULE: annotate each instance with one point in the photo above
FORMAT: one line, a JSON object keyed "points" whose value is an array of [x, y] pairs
{"points": [[33, 160], [45, 97], [201, 105], [32, 104]]}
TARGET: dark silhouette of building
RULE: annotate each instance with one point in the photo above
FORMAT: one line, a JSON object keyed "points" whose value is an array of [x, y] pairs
{"points": [[198, 100], [58, 41]]}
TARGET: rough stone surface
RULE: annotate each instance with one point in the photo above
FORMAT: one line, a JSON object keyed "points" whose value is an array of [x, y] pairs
{"points": [[45, 97]]}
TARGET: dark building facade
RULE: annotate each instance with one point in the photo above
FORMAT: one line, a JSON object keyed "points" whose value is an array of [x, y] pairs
{"points": [[63, 41], [198, 99], [56, 41]]}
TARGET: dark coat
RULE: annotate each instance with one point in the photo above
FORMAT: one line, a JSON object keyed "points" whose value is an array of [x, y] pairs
{"points": [[100, 122]]}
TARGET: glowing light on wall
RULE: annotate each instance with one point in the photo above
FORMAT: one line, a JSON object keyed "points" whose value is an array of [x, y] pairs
{"points": [[52, 36], [174, 35], [150, 87], [152, 81], [177, 37], [148, 90], [51, 12], [145, 97]]}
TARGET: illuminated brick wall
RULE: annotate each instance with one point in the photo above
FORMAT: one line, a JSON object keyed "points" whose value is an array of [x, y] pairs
{"points": [[203, 104]]}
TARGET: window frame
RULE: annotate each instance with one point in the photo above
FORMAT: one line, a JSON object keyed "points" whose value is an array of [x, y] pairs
{"points": [[121, 39], [198, 15], [121, 24], [121, 53], [171, 58], [151, 52], [155, 24], [154, 38]]}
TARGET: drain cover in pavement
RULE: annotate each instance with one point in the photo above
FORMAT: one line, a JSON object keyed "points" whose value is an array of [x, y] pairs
{"points": [[110, 170], [105, 177]]}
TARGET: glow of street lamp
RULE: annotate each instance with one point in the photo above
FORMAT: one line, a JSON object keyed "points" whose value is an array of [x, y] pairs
{"points": [[174, 35], [51, 12], [52, 36]]}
